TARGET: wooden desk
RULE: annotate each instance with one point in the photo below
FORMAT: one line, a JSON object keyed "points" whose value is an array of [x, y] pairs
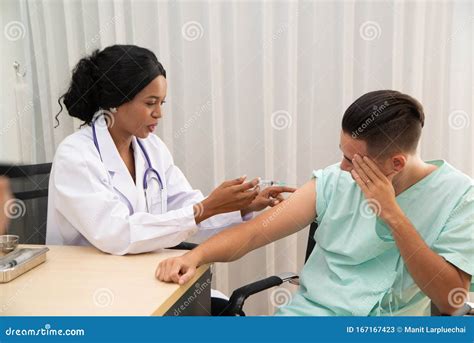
{"points": [[83, 281]]}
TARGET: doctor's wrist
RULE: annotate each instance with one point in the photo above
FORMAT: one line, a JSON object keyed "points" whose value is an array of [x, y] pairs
{"points": [[204, 210], [245, 211]]}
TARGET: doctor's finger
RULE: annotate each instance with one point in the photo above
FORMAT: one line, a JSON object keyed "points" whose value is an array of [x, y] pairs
{"points": [[281, 189], [233, 182], [279, 197], [251, 195], [276, 200], [274, 203], [271, 202], [275, 190], [247, 185]]}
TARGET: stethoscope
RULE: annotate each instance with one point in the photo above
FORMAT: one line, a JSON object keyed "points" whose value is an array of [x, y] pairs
{"points": [[148, 171]]}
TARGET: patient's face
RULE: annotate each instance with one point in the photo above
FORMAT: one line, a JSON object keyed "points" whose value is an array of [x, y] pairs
{"points": [[350, 146]]}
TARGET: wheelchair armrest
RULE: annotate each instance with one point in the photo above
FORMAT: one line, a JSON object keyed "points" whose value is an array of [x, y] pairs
{"points": [[466, 309], [238, 297], [184, 246]]}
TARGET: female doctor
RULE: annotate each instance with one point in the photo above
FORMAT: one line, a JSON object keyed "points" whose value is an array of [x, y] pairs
{"points": [[113, 184]]}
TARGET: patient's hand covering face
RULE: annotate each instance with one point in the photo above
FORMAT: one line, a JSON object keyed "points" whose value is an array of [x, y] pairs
{"points": [[351, 146]]}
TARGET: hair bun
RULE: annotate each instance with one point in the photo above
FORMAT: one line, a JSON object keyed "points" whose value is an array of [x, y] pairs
{"points": [[82, 99], [89, 65]]}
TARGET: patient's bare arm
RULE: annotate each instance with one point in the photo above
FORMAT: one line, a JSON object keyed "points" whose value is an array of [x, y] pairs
{"points": [[290, 216]]}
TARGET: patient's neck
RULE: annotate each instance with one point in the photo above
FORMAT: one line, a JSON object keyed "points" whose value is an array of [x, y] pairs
{"points": [[415, 170]]}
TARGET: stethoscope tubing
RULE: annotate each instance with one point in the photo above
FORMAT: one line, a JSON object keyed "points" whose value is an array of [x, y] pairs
{"points": [[148, 170]]}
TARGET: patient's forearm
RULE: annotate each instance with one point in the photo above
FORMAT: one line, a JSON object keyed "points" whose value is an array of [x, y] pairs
{"points": [[432, 273], [229, 245]]}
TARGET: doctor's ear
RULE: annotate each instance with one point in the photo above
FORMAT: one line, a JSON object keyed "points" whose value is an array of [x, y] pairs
{"points": [[113, 109]]}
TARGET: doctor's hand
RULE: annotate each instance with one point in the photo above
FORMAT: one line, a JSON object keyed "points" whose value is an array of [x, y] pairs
{"points": [[177, 269], [270, 196], [230, 196]]}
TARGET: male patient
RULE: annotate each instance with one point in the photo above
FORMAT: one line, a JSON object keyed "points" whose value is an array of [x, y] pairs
{"points": [[394, 231]]}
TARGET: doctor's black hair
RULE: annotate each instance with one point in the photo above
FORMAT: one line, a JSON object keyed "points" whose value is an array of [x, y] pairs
{"points": [[109, 78], [387, 120]]}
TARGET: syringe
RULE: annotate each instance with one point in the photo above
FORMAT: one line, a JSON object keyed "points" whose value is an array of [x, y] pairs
{"points": [[267, 183]]}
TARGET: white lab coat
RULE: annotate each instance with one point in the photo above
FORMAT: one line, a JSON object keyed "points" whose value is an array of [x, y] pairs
{"points": [[86, 205]]}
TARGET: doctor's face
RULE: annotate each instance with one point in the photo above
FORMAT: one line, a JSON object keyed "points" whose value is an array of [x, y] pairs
{"points": [[139, 117]]}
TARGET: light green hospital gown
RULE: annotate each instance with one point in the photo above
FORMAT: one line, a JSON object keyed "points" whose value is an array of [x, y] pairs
{"points": [[356, 268]]}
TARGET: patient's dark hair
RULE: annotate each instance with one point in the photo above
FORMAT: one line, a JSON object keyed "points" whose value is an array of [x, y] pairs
{"points": [[388, 121], [109, 78]]}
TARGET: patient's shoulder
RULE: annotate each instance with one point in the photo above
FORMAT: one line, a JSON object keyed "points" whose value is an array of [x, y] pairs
{"points": [[333, 177], [453, 175]]}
